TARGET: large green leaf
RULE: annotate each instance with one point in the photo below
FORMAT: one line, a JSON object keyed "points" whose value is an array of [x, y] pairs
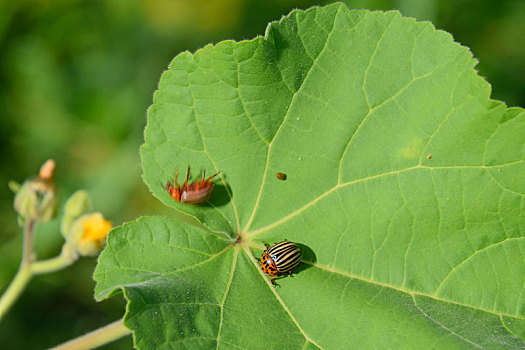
{"points": [[405, 190]]}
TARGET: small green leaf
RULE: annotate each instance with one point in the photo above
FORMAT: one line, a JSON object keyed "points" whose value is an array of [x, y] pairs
{"points": [[404, 188]]}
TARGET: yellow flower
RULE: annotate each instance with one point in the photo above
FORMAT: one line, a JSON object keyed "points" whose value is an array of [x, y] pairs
{"points": [[75, 206], [88, 234], [96, 228]]}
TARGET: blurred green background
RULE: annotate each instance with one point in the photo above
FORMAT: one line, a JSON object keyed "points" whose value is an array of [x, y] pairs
{"points": [[76, 78]]}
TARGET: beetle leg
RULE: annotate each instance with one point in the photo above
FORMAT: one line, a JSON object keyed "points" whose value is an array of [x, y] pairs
{"points": [[266, 245], [175, 182], [211, 177], [187, 177], [271, 280]]}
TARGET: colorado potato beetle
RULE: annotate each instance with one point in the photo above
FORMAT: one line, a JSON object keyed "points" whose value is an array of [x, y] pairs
{"points": [[197, 192], [280, 258]]}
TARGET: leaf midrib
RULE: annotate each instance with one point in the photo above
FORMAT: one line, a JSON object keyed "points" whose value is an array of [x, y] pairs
{"points": [[292, 100], [409, 292], [252, 234], [370, 111], [436, 322], [278, 297]]}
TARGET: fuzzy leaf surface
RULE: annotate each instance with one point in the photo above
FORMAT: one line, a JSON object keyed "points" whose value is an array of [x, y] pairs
{"points": [[404, 188]]}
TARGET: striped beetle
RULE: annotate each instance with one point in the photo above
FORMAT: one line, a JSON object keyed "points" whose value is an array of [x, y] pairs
{"points": [[280, 258]]}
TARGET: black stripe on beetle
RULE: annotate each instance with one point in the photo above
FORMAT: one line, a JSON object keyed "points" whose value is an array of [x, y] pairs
{"points": [[280, 258]]}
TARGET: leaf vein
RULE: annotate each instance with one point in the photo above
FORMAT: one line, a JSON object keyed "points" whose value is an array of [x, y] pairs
{"points": [[412, 230], [403, 290], [278, 297], [370, 109], [352, 182], [509, 330], [391, 98], [226, 291], [436, 322], [263, 180], [245, 109], [205, 150], [436, 292], [168, 246]]}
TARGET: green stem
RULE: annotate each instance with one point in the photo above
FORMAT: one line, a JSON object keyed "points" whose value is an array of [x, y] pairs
{"points": [[54, 264], [27, 248], [28, 268], [24, 274], [96, 338], [14, 290]]}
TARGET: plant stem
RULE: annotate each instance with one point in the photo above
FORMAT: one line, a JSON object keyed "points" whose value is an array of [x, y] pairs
{"points": [[27, 249], [23, 275], [51, 265], [16, 287], [29, 267], [96, 338]]}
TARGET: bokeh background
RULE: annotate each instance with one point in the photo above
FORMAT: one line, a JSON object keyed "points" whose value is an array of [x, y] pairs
{"points": [[76, 79]]}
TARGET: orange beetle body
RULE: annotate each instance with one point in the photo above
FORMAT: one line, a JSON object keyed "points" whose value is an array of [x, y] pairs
{"points": [[196, 193], [279, 259]]}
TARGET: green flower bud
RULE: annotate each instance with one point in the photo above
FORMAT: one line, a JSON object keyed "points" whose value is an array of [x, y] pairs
{"points": [[13, 186], [36, 199], [88, 234], [75, 206]]}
